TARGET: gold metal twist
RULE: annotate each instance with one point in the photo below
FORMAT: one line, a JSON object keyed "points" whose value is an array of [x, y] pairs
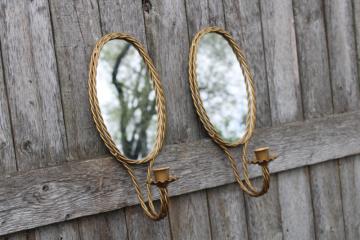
{"points": [[148, 206], [245, 184]]}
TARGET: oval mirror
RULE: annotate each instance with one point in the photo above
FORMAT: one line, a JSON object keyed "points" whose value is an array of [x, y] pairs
{"points": [[127, 106], [221, 86]]}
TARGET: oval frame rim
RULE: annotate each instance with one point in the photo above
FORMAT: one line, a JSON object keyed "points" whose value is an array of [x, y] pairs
{"points": [[159, 96], [195, 93]]}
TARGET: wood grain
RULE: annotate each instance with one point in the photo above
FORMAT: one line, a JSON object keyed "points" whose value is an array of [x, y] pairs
{"points": [[356, 14], [316, 98], [243, 20], [76, 27], [285, 103], [168, 44], [224, 205], [346, 97], [45, 122], [88, 187], [7, 153], [32, 87], [227, 212], [123, 16]]}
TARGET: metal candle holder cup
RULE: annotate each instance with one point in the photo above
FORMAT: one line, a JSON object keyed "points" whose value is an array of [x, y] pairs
{"points": [[262, 156], [161, 174], [162, 177]]}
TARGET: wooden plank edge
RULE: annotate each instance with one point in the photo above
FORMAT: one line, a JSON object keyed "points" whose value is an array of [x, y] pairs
{"points": [[75, 189]]}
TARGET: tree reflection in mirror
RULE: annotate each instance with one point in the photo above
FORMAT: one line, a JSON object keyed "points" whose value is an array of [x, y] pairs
{"points": [[222, 86], [126, 98]]}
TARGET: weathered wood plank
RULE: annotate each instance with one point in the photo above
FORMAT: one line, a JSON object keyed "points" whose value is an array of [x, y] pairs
{"points": [[285, 104], [356, 13], [346, 97], [243, 20], [316, 91], [109, 226], [194, 210], [168, 44], [342, 49], [316, 95], [7, 153], [227, 212], [76, 28], [222, 207], [65, 230], [88, 187], [123, 16], [32, 86], [325, 180], [142, 226]]}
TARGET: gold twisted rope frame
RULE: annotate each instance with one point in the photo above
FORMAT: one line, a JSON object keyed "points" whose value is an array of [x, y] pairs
{"points": [[148, 206], [245, 184]]}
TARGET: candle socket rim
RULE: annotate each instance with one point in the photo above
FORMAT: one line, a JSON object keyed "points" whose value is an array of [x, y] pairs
{"points": [[260, 149], [161, 174], [160, 169]]}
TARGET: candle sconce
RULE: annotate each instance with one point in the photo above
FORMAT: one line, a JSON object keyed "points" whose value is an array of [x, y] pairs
{"points": [[128, 106], [224, 98]]}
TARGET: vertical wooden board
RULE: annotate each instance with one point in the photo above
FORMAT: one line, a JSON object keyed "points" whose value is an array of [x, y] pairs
{"points": [[356, 13], [216, 13], [325, 184], [295, 195], [226, 204], [281, 60], [342, 49], [65, 230], [109, 226], [189, 217], [25, 235], [295, 203], [168, 44], [264, 219], [282, 69], [125, 16], [313, 58], [76, 28], [350, 190], [7, 153], [326, 195], [243, 21], [33, 89], [346, 97], [227, 212], [144, 228]]}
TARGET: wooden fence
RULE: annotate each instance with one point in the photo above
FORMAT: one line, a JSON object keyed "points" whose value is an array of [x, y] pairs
{"points": [[58, 181]]}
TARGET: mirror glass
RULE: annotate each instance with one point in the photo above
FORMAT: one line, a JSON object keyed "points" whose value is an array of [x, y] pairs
{"points": [[222, 87], [126, 98]]}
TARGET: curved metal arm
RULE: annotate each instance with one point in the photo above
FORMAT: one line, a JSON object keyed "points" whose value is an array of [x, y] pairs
{"points": [[148, 206], [150, 210], [246, 184]]}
